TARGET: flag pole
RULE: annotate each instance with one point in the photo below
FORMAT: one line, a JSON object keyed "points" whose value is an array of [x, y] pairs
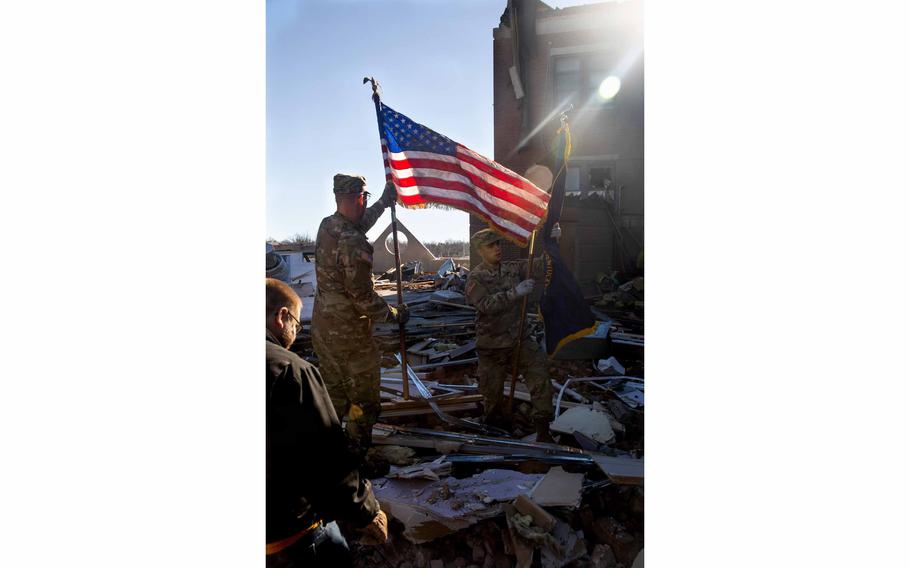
{"points": [[521, 324], [405, 382]]}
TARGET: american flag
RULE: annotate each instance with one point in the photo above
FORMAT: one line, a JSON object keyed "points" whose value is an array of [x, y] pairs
{"points": [[427, 167]]}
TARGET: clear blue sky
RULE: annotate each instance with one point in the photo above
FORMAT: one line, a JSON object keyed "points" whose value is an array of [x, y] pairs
{"points": [[434, 61]]}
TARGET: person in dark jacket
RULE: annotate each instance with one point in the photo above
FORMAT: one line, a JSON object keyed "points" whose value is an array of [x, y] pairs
{"points": [[311, 475]]}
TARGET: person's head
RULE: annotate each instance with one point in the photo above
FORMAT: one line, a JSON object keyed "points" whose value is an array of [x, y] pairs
{"points": [[282, 311], [489, 245], [350, 196]]}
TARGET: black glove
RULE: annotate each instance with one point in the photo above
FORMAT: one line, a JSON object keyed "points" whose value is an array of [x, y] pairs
{"points": [[389, 194]]}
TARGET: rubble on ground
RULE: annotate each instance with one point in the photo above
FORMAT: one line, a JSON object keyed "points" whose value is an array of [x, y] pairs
{"points": [[628, 295], [459, 493]]}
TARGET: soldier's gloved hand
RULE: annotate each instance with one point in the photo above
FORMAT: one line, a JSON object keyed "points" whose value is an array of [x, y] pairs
{"points": [[556, 232], [376, 532], [524, 288], [400, 313], [389, 194]]}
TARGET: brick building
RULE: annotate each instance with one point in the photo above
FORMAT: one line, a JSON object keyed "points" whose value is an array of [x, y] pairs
{"points": [[545, 59]]}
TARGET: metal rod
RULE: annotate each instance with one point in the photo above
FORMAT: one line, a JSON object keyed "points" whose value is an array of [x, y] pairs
{"points": [[518, 459], [457, 389], [401, 336], [521, 325]]}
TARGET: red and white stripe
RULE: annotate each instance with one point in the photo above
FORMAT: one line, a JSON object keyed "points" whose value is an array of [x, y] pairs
{"points": [[468, 181]]}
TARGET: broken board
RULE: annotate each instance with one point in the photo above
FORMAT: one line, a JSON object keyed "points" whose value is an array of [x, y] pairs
{"points": [[621, 470]]}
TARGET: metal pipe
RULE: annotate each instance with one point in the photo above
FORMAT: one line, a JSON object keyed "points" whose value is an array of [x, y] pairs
{"points": [[555, 459], [444, 386]]}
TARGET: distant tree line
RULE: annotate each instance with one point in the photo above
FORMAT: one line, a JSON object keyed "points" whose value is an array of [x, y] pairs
{"points": [[304, 240], [441, 249], [448, 248]]}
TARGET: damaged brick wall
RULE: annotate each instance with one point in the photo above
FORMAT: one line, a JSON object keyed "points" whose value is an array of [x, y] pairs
{"points": [[611, 135]]}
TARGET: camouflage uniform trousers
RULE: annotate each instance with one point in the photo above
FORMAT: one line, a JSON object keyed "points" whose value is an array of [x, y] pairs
{"points": [[351, 375], [495, 366]]}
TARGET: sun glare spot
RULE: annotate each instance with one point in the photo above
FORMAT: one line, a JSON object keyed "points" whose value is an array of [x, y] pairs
{"points": [[609, 87]]}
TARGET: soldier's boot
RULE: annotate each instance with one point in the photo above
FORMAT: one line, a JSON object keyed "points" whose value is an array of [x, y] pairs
{"points": [[543, 431]]}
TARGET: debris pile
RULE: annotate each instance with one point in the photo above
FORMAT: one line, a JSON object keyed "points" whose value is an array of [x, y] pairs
{"points": [[409, 272], [628, 296], [430, 509], [466, 497], [460, 493], [485, 515], [451, 276]]}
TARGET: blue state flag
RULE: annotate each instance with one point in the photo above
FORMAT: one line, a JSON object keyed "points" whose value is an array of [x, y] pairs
{"points": [[566, 315]]}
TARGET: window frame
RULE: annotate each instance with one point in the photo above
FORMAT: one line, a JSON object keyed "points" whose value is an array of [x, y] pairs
{"points": [[585, 94]]}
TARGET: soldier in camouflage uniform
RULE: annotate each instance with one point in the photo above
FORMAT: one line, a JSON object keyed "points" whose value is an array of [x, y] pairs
{"points": [[496, 288], [347, 307]]}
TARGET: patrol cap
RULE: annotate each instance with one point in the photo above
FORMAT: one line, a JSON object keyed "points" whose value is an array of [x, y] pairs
{"points": [[345, 184], [485, 237]]}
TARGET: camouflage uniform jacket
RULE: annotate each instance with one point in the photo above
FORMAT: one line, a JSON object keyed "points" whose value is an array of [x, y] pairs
{"points": [[345, 300], [490, 290]]}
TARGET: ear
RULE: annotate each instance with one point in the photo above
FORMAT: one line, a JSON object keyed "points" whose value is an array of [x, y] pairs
{"points": [[279, 318]]}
